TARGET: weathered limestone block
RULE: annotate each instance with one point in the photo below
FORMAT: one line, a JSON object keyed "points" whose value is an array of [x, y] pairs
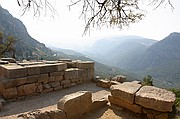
{"points": [[13, 71], [71, 73], [54, 84], [27, 89], [10, 93], [58, 88], [48, 68], [90, 73], [33, 70], [125, 91], [103, 83], [56, 114], [10, 83], [60, 73], [46, 86], [75, 104], [39, 88], [97, 104], [133, 107], [152, 114], [61, 66], [47, 90], [162, 116], [83, 73], [155, 98], [65, 82], [43, 78], [85, 65], [32, 79]]}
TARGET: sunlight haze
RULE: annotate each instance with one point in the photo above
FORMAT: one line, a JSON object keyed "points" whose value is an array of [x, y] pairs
{"points": [[65, 29]]}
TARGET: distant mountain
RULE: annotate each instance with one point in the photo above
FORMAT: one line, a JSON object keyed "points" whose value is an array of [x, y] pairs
{"points": [[26, 47], [101, 70], [118, 50], [160, 59]]}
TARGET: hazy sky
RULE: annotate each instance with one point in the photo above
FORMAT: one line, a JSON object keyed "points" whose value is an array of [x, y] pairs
{"points": [[65, 30]]}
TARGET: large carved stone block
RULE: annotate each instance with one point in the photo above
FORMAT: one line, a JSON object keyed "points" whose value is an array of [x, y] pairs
{"points": [[13, 71], [125, 91], [85, 65], [155, 98], [133, 107], [27, 89], [33, 70], [76, 104]]}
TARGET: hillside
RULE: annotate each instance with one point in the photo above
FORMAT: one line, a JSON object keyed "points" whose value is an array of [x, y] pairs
{"points": [[26, 47], [160, 59], [116, 51], [101, 70]]}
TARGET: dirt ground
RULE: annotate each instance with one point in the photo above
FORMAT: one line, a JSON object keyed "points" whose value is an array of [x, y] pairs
{"points": [[49, 101]]}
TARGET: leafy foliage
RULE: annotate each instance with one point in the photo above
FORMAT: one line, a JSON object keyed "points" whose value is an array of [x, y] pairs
{"points": [[6, 45], [177, 93], [148, 80]]}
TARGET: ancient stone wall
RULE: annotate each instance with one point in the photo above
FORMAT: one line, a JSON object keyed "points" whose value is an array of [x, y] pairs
{"points": [[155, 102], [30, 78]]}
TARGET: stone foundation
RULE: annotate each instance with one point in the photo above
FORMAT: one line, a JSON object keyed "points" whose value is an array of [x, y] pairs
{"points": [[31, 78], [155, 102]]}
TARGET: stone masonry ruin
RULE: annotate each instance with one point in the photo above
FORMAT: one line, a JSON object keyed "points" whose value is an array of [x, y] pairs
{"points": [[30, 78], [20, 79]]}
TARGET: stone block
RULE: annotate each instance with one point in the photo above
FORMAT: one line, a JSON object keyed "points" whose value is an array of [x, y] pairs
{"points": [[71, 74], [54, 84], [51, 79], [32, 79], [133, 107], [83, 72], [58, 88], [39, 88], [90, 73], [47, 90], [103, 83], [65, 82], [10, 83], [60, 73], [56, 114], [61, 66], [48, 68], [27, 89], [125, 91], [46, 86], [33, 70], [13, 71], [74, 80], [10, 93], [97, 104], [155, 98], [85, 65], [43, 78], [162, 116], [75, 104]]}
